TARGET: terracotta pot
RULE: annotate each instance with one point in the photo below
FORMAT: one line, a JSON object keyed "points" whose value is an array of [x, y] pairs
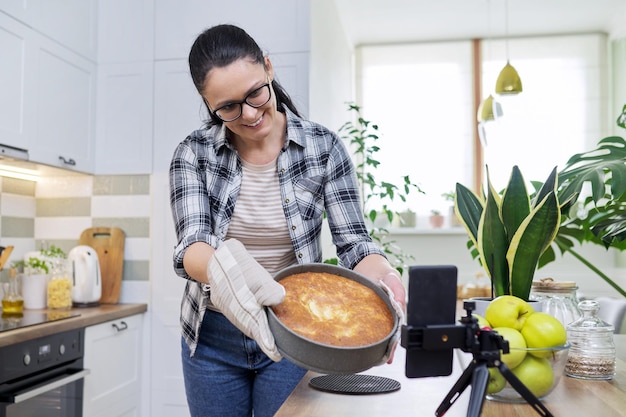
{"points": [[436, 220]]}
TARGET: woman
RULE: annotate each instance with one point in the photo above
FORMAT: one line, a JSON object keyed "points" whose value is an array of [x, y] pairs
{"points": [[248, 195]]}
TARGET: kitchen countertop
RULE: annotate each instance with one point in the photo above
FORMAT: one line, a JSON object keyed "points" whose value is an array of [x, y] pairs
{"points": [[88, 316], [422, 396]]}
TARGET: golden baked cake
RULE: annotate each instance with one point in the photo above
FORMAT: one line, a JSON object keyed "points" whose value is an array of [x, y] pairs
{"points": [[333, 310]]}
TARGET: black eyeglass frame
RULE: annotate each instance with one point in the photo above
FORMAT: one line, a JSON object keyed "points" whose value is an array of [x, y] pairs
{"points": [[241, 103]]}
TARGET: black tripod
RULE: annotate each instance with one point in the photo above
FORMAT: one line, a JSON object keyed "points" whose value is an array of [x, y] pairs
{"points": [[485, 347]]}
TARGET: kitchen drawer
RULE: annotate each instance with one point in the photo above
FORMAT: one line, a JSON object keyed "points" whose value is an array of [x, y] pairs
{"points": [[113, 356]]}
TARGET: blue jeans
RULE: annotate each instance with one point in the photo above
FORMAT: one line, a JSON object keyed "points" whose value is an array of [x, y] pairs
{"points": [[230, 376]]}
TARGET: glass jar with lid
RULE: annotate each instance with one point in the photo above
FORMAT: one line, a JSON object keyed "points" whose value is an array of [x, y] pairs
{"points": [[558, 298], [60, 286], [592, 351]]}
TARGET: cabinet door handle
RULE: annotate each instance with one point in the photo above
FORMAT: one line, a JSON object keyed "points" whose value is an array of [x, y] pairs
{"points": [[69, 161], [121, 327]]}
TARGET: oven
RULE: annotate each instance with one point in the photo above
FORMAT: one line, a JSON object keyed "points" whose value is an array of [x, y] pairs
{"points": [[43, 377]]}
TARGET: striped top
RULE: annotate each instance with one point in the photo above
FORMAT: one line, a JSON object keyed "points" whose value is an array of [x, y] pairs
{"points": [[258, 219]]}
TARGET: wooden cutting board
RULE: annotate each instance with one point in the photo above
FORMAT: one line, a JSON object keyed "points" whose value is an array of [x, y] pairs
{"points": [[108, 242]]}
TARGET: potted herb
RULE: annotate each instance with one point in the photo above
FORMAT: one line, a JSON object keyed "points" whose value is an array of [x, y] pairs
{"points": [[436, 219], [510, 230], [34, 282], [362, 137], [34, 266], [449, 196], [405, 218]]}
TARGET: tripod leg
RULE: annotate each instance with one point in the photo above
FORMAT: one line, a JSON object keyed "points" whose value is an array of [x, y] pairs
{"points": [[480, 379], [456, 390], [524, 391]]}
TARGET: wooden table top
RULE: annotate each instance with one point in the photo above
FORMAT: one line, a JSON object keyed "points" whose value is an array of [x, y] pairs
{"points": [[421, 396]]}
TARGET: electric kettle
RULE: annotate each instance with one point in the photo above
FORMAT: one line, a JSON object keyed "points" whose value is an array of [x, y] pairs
{"points": [[86, 277]]}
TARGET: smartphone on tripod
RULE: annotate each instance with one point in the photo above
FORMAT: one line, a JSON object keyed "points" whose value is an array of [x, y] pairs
{"points": [[432, 301]]}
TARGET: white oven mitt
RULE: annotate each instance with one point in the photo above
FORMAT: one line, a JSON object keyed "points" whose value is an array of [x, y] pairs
{"points": [[393, 340], [240, 287]]}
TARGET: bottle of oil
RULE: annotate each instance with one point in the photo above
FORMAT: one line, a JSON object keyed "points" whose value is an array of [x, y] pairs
{"points": [[12, 301]]}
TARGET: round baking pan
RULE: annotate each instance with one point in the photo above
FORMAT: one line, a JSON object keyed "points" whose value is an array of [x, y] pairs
{"points": [[324, 358]]}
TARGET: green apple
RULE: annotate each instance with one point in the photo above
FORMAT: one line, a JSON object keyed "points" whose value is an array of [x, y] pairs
{"points": [[543, 330], [516, 345], [536, 374], [508, 311], [482, 322], [496, 381]]}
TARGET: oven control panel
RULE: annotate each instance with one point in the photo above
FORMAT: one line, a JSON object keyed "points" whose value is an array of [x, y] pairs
{"points": [[31, 356]]}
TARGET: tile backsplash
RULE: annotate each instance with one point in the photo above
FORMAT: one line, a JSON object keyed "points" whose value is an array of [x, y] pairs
{"points": [[55, 210]]}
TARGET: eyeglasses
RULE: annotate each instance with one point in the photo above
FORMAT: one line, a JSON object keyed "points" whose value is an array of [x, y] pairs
{"points": [[256, 98]]}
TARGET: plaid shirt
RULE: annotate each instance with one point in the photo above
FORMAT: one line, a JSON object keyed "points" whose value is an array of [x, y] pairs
{"points": [[316, 175]]}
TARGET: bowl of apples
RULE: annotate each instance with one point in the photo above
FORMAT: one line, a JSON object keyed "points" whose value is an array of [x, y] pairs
{"points": [[540, 371], [538, 348]]}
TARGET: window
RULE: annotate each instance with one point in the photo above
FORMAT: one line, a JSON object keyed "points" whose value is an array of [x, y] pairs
{"points": [[421, 96]]}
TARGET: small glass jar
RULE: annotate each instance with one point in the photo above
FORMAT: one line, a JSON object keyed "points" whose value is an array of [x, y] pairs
{"points": [[592, 351], [558, 299], [60, 286]]}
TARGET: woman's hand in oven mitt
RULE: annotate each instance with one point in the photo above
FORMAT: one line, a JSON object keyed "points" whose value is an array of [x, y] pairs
{"points": [[240, 288], [399, 309]]}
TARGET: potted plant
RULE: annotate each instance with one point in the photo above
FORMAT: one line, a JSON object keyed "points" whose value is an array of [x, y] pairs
{"points": [[510, 230], [362, 137], [435, 219], [598, 218], [405, 218], [449, 196], [34, 281]]}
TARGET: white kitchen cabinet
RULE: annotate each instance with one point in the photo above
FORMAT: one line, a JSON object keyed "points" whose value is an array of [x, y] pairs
{"points": [[113, 355], [124, 119], [65, 88], [125, 87], [279, 26], [47, 105], [72, 23], [16, 110], [127, 36]]}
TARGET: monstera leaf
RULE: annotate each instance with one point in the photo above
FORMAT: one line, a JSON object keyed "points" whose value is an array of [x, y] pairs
{"points": [[605, 165], [604, 211]]}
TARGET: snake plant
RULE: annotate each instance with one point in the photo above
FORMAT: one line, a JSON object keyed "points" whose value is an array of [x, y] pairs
{"points": [[509, 230]]}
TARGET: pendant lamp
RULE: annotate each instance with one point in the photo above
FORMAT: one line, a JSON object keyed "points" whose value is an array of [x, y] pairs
{"points": [[488, 110], [508, 81]]}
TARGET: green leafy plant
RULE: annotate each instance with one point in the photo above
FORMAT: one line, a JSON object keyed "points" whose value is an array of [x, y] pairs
{"points": [[598, 218], [53, 252], [33, 266], [41, 265], [510, 230], [362, 136], [448, 196]]}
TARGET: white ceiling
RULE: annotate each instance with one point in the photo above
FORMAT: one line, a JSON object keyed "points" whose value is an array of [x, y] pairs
{"points": [[382, 21]]}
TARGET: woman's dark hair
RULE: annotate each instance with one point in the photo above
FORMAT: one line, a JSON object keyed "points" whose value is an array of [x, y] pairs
{"points": [[222, 45]]}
